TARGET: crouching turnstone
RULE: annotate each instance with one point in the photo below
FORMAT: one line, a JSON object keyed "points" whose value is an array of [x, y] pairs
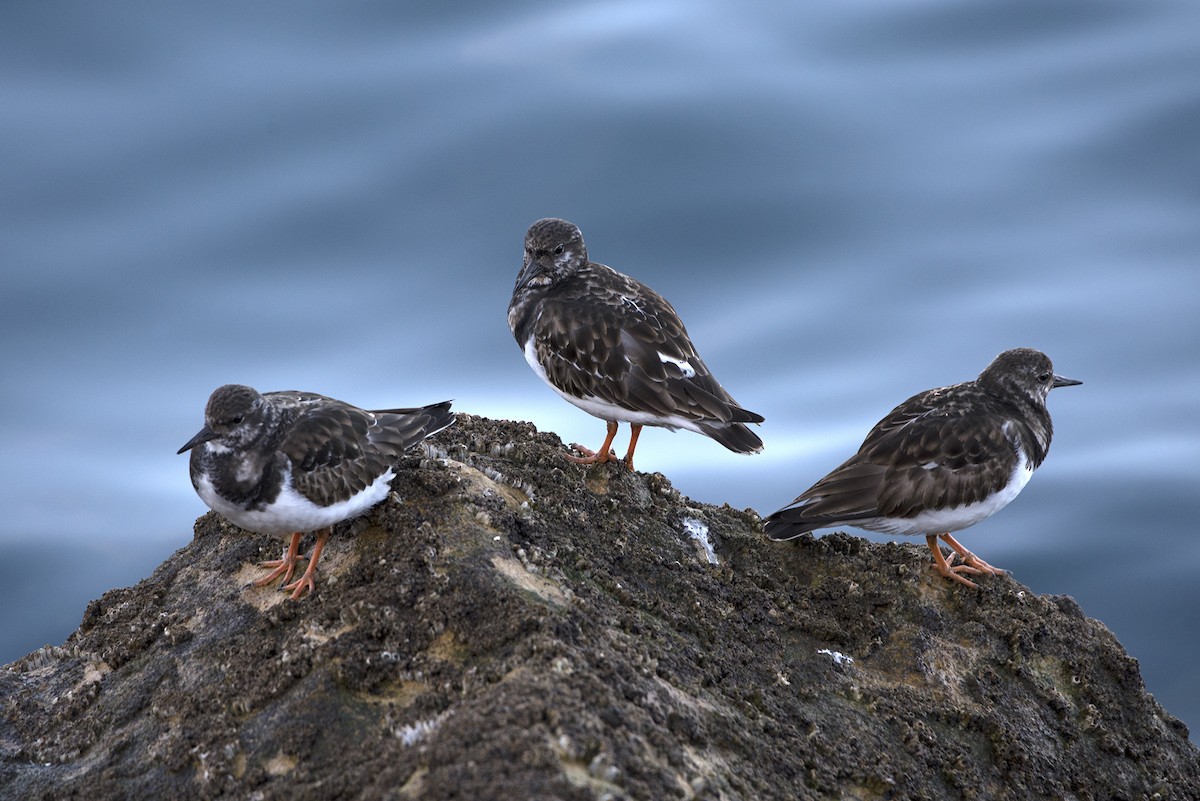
{"points": [[615, 348], [289, 462], [939, 462]]}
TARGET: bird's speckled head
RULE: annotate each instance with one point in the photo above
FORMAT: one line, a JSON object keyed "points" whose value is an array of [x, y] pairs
{"points": [[553, 248], [232, 417], [1023, 372], [231, 406]]}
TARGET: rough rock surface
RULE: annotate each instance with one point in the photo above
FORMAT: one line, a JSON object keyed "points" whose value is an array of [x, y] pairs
{"points": [[511, 626]]}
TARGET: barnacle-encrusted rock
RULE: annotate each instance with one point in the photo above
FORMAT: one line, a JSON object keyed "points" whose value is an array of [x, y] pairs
{"points": [[511, 626]]}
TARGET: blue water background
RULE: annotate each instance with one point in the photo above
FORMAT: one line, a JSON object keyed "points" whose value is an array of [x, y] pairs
{"points": [[848, 203]]}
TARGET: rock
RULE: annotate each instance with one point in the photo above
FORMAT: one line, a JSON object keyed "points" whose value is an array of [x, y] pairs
{"points": [[511, 626]]}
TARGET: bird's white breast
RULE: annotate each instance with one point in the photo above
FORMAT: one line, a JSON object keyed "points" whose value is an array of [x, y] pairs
{"points": [[291, 511], [938, 521]]}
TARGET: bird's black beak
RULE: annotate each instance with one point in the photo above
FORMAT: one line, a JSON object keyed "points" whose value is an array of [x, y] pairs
{"points": [[1059, 381], [528, 270], [204, 435]]}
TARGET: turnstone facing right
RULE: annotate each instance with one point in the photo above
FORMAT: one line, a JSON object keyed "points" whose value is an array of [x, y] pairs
{"points": [[939, 462], [614, 347], [290, 462]]}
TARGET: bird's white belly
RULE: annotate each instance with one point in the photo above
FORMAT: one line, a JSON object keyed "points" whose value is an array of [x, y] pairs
{"points": [[938, 521], [598, 407], [291, 511]]}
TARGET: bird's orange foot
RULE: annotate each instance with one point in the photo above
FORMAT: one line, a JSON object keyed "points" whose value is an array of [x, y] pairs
{"points": [[283, 567], [635, 432], [590, 456], [605, 454], [301, 584], [955, 573], [307, 581], [971, 564], [974, 565]]}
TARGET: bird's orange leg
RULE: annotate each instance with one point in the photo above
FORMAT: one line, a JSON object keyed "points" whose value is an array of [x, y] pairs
{"points": [[942, 566], [605, 453], [635, 431], [978, 566], [306, 581], [283, 567]]}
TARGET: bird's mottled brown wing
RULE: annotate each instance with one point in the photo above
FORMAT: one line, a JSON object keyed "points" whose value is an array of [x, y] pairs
{"points": [[332, 459], [605, 335], [338, 450], [941, 462], [923, 455], [397, 430]]}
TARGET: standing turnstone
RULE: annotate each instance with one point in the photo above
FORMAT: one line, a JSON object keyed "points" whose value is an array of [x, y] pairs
{"points": [[614, 347], [289, 462], [939, 462]]}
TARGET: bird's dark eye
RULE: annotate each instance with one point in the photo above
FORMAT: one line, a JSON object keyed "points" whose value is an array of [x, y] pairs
{"points": [[558, 250], [1043, 377], [236, 421]]}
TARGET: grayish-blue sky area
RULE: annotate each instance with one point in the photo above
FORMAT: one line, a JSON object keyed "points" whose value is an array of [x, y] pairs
{"points": [[847, 203]]}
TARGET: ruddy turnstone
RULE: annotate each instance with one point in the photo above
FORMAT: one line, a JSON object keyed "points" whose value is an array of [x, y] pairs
{"points": [[615, 348], [290, 462], [939, 462]]}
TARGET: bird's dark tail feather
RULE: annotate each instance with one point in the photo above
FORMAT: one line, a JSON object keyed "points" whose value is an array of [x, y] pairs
{"points": [[792, 521], [734, 436], [412, 426], [778, 526]]}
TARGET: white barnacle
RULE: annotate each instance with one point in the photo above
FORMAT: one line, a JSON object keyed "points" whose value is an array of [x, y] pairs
{"points": [[698, 531], [413, 733], [837, 656]]}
